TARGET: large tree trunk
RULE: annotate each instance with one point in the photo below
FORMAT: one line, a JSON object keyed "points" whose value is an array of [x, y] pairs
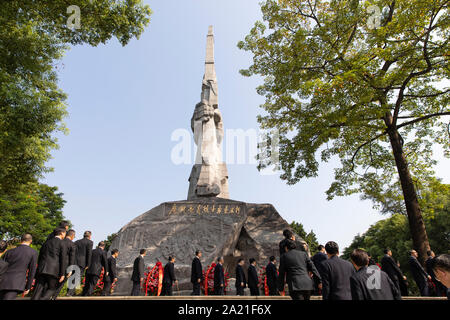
{"points": [[416, 224]]}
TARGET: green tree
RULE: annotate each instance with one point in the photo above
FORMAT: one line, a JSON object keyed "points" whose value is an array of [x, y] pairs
{"points": [[109, 241], [36, 209], [342, 81], [33, 37], [310, 237]]}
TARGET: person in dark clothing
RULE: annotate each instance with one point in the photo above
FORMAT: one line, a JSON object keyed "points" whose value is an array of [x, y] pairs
{"points": [[84, 251], [419, 274], [317, 259], [295, 266], [111, 278], [272, 276], [439, 289], [169, 278], [241, 281], [219, 278], [196, 273], [336, 276], [51, 266], [289, 235], [138, 273], [69, 260], [62, 225], [3, 263], [253, 283], [370, 283], [389, 266], [93, 272], [19, 276], [441, 268]]}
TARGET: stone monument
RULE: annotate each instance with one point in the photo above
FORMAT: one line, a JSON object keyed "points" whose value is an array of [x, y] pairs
{"points": [[208, 220]]}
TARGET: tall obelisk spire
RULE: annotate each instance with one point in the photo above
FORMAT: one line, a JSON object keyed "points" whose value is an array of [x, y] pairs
{"points": [[210, 88], [209, 175]]}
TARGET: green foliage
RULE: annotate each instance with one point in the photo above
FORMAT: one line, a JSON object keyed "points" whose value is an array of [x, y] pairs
{"points": [[33, 37], [109, 241], [35, 209], [310, 237], [335, 86]]}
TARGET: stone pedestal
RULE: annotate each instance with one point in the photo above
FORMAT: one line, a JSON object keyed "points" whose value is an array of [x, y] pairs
{"points": [[216, 226]]}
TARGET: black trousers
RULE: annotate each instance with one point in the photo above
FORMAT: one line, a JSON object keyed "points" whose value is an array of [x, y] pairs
{"points": [[273, 291], [254, 291], [300, 295], [46, 286], [196, 288], [136, 291], [9, 294], [59, 287], [218, 291], [106, 287], [167, 289], [240, 291], [90, 284], [423, 287]]}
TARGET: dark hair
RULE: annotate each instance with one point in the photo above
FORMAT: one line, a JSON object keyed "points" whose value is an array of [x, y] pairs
{"points": [[59, 231], [3, 246], [197, 252], [219, 258], [114, 251], [441, 262], [360, 257], [429, 253], [272, 258], [64, 224], [320, 247], [252, 260], [26, 237], [70, 233], [171, 258], [288, 234], [290, 245], [240, 259], [332, 247], [411, 251], [87, 234], [101, 244], [386, 250], [143, 251]]}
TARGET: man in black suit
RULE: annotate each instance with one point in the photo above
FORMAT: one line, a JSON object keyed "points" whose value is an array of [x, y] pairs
{"points": [[370, 283], [93, 272], [440, 290], [253, 283], [241, 281], [272, 276], [169, 277], [317, 259], [62, 225], [51, 266], [21, 270], [112, 276], [138, 273], [69, 261], [289, 235], [3, 263], [441, 268], [84, 251], [196, 273], [390, 267], [419, 274], [219, 278], [336, 275], [295, 266]]}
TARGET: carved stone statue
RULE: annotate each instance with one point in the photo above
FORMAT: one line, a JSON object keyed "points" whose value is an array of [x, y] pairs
{"points": [[209, 176]]}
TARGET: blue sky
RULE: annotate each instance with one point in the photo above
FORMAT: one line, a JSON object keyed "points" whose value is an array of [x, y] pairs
{"points": [[125, 102]]}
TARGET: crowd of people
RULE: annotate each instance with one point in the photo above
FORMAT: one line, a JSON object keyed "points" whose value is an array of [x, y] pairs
{"points": [[324, 274]]}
